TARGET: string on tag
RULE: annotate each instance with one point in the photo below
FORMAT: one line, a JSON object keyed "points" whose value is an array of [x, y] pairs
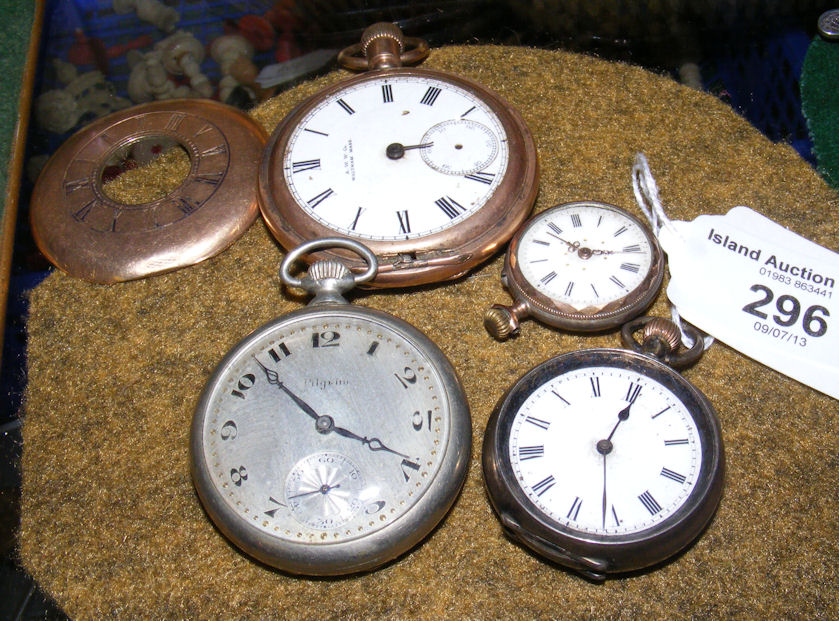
{"points": [[646, 195]]}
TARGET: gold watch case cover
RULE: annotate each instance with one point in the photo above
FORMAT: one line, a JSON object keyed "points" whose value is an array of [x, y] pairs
{"points": [[582, 266], [604, 461], [85, 232], [334, 438], [432, 171]]}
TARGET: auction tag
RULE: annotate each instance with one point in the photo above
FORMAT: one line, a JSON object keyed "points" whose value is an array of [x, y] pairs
{"points": [[765, 291]]}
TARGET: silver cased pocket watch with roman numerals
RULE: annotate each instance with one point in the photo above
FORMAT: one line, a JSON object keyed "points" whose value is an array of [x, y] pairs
{"points": [[606, 460], [334, 438], [582, 266], [433, 172]]}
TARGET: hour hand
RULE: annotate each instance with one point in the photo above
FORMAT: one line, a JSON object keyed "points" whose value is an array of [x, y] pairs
{"points": [[374, 444], [396, 150], [572, 246]]}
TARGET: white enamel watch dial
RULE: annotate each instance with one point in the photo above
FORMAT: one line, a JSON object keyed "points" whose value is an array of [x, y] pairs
{"points": [[342, 174], [332, 439], [580, 266], [604, 460], [430, 170]]}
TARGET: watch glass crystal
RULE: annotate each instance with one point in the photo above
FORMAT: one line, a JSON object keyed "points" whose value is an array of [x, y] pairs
{"points": [[396, 157]]}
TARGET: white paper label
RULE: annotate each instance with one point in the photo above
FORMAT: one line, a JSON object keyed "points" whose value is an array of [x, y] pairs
{"points": [[763, 290]]}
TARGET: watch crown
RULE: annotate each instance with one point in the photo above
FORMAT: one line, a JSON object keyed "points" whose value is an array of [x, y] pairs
{"points": [[321, 270], [660, 332], [500, 322], [662, 340], [328, 280], [382, 30]]}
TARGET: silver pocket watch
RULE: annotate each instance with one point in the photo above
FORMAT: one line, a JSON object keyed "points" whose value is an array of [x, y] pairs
{"points": [[606, 460], [334, 438]]}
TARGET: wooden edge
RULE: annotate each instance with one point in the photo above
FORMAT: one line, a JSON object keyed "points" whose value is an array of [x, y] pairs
{"points": [[16, 159]]}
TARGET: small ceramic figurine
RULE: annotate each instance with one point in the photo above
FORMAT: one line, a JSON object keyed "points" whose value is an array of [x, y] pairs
{"points": [[86, 96], [179, 54], [151, 11], [233, 53]]}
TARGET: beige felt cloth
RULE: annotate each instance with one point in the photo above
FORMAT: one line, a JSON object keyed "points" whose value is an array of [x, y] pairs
{"points": [[111, 525]]}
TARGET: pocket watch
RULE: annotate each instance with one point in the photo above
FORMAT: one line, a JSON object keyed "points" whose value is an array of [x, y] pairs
{"points": [[334, 438], [582, 266], [605, 460], [432, 171]]}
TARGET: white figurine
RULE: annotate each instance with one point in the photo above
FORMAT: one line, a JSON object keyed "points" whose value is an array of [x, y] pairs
{"points": [[178, 54], [230, 52], [149, 81], [182, 55], [151, 11], [85, 95]]}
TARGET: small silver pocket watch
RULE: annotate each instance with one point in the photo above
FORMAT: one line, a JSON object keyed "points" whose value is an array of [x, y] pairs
{"points": [[606, 460], [582, 266]]}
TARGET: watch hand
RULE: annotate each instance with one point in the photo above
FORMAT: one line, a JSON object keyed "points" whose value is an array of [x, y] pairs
{"points": [[396, 150], [572, 246], [325, 424], [604, 491], [274, 378], [622, 416], [581, 250], [604, 447], [323, 489], [374, 444], [419, 146]]}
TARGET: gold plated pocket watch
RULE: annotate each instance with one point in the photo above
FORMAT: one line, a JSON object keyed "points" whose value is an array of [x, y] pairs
{"points": [[334, 438], [432, 171], [582, 266], [606, 460]]}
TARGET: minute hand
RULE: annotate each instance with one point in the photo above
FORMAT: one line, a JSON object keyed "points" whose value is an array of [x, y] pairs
{"points": [[274, 378]]}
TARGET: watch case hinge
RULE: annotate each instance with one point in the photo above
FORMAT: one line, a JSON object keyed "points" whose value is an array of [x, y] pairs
{"points": [[591, 568]]}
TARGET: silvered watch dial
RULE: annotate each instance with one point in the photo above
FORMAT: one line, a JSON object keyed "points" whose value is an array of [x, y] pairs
{"points": [[330, 440]]}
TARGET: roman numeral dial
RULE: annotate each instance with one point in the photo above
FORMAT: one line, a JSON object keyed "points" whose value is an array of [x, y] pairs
{"points": [[617, 453], [587, 266], [419, 154]]}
